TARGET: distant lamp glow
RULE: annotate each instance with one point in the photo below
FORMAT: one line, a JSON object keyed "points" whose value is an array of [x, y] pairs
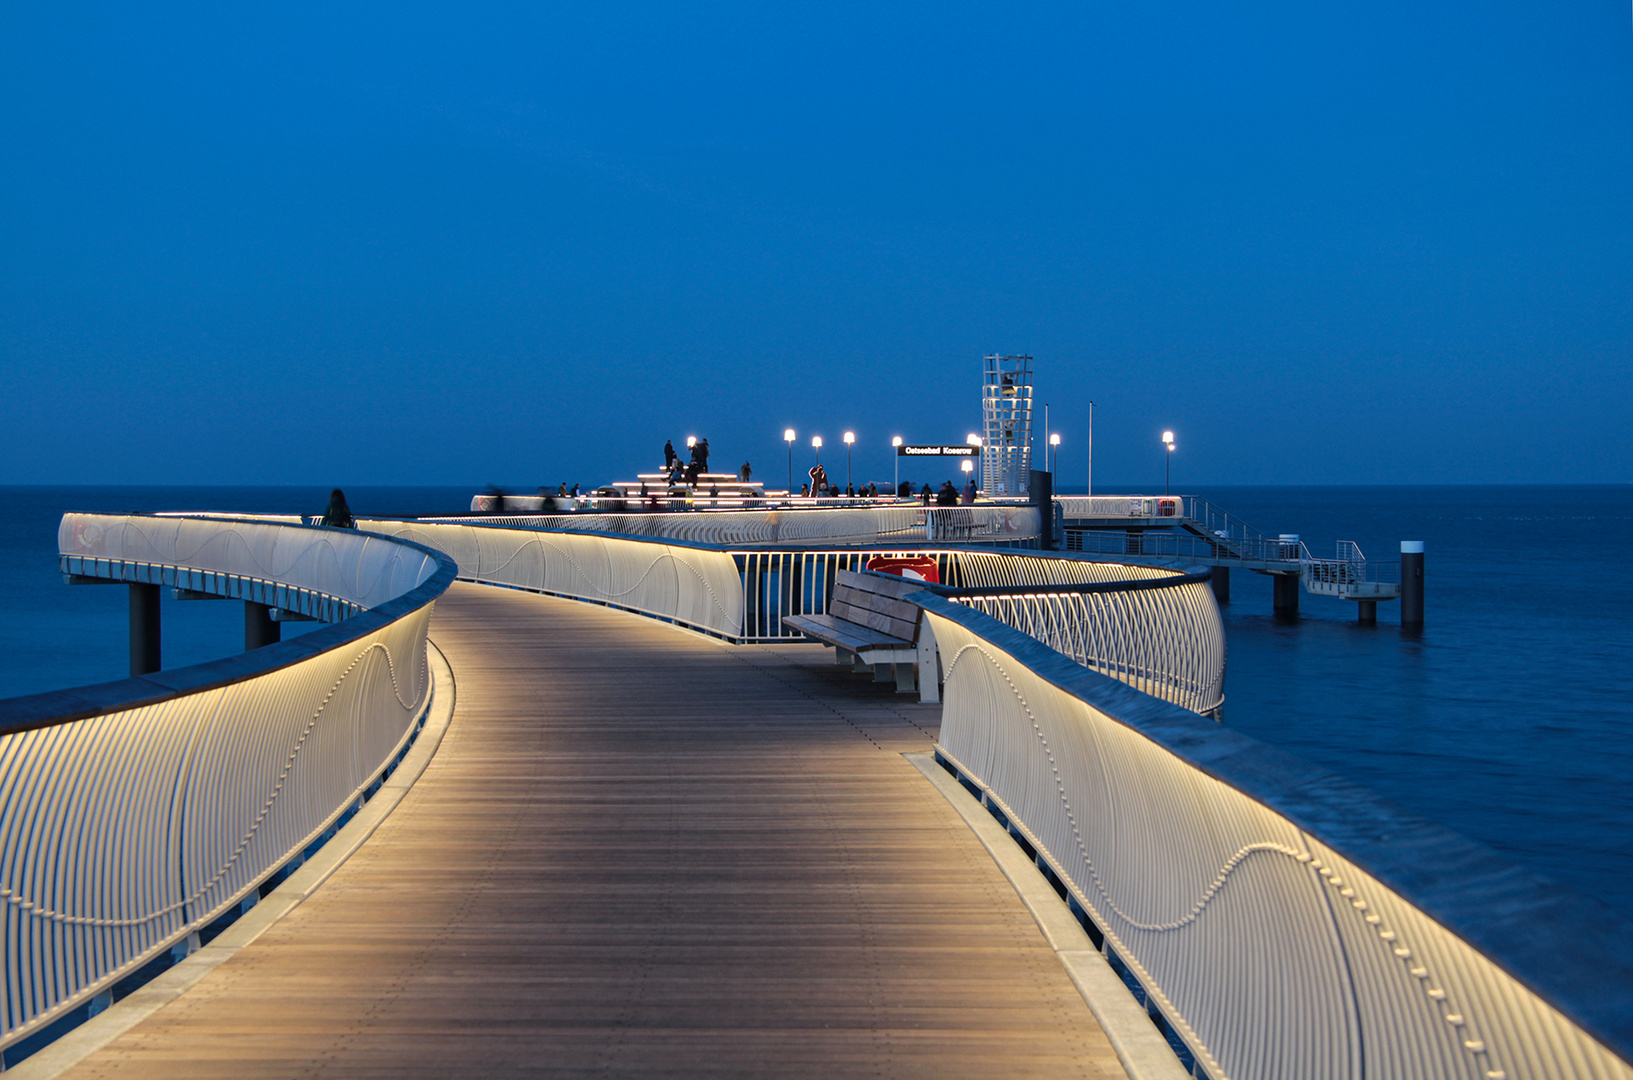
{"points": [[788, 435], [1054, 444], [973, 439], [967, 465], [897, 441], [816, 441], [850, 437], [691, 441]]}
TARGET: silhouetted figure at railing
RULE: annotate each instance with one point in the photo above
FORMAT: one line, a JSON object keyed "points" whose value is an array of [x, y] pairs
{"points": [[669, 455], [339, 515]]}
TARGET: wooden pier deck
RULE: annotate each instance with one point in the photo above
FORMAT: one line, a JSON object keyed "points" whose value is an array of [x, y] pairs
{"points": [[639, 852]]}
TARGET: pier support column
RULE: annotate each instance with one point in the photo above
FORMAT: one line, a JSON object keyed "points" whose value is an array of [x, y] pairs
{"points": [[1368, 610], [1221, 584], [144, 629], [259, 629], [1411, 582], [1285, 601]]}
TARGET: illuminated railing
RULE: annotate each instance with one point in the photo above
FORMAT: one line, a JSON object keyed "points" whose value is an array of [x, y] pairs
{"points": [[1153, 628], [1279, 920], [847, 521], [1160, 634], [135, 813]]}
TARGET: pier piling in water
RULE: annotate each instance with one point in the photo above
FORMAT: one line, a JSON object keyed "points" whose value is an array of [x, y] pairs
{"points": [[1411, 582], [1221, 584], [1285, 601], [259, 629], [144, 629]]}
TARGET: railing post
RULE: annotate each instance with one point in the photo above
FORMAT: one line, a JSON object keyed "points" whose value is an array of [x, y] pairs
{"points": [[144, 629]]}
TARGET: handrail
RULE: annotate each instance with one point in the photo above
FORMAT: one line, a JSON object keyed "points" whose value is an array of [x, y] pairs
{"points": [[119, 839], [1282, 920], [1175, 648], [957, 592]]}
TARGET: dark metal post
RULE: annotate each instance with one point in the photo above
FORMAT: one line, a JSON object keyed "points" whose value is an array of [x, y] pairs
{"points": [[1411, 582], [1367, 611], [1043, 497], [1285, 601], [259, 629], [144, 629], [1221, 584]]}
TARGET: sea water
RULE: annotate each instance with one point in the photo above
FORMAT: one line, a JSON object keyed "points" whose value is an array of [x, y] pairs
{"points": [[1508, 716]]}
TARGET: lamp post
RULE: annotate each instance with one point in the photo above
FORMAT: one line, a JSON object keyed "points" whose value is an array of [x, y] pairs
{"points": [[788, 437], [1054, 444], [975, 441], [816, 445], [1167, 458], [1091, 448], [896, 442], [850, 437]]}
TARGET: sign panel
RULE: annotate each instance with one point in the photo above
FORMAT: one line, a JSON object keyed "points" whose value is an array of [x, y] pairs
{"points": [[938, 451]]}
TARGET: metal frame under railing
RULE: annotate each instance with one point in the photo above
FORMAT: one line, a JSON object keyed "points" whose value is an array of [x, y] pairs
{"points": [[121, 837], [1279, 920]]}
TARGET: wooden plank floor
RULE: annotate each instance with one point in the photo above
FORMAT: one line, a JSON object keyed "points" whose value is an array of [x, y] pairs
{"points": [[640, 852]]}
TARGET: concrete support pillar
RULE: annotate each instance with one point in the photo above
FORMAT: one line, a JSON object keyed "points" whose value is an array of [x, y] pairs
{"points": [[1221, 584], [259, 629], [1285, 601], [1411, 582], [1367, 610], [144, 629]]}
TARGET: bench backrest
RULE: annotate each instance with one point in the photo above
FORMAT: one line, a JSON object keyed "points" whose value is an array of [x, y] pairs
{"points": [[874, 601]]}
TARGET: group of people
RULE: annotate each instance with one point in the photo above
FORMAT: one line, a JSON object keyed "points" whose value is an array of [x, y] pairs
{"points": [[821, 487], [689, 472]]}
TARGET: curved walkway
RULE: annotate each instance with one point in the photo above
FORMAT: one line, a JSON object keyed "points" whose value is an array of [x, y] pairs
{"points": [[640, 852]]}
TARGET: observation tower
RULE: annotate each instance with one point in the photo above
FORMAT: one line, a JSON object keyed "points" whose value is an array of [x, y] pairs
{"points": [[1006, 425]]}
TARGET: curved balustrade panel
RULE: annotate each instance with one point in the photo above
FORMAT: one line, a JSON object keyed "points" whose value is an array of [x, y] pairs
{"points": [[362, 570], [1168, 642], [696, 586], [826, 525], [126, 827], [1277, 916]]}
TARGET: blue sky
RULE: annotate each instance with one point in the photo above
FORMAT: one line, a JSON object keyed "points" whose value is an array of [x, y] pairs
{"points": [[1385, 243]]}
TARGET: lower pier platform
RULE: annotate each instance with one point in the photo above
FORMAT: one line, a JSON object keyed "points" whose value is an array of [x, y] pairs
{"points": [[640, 852]]}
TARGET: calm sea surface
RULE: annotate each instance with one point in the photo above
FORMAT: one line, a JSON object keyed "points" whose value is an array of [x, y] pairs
{"points": [[1509, 717]]}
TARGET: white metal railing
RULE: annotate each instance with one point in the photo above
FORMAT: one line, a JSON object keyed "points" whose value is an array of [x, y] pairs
{"points": [[134, 813], [695, 586], [1162, 635], [1282, 922], [847, 522], [1167, 640]]}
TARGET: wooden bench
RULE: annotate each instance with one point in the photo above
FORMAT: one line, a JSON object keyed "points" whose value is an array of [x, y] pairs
{"points": [[869, 623]]}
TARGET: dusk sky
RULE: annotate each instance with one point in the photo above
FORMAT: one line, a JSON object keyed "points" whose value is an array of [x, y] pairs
{"points": [[1380, 243]]}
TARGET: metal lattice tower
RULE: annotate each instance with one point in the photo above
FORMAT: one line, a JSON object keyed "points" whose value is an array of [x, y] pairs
{"points": [[1006, 425]]}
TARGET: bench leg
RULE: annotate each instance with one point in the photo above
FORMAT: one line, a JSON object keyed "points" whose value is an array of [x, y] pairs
{"points": [[905, 676], [843, 657], [883, 672], [929, 668], [862, 667]]}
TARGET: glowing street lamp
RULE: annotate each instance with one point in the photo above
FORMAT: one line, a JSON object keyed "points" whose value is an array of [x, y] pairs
{"points": [[1167, 459], [850, 437], [1054, 444], [788, 437], [896, 491], [691, 441], [816, 444], [969, 467]]}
